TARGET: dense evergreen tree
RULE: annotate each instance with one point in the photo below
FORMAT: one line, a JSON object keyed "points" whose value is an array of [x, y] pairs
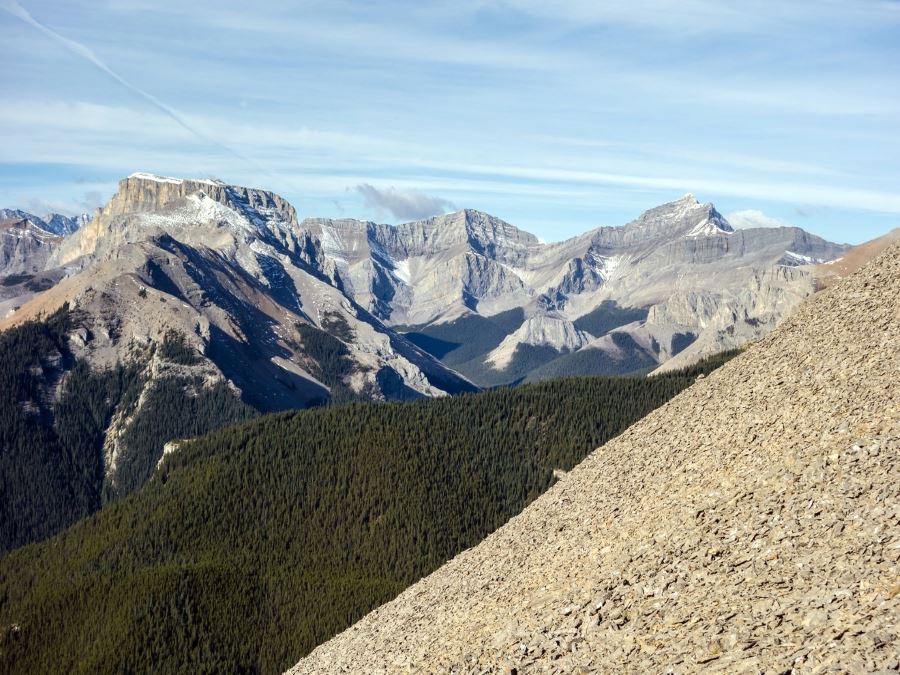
{"points": [[54, 414], [253, 544], [51, 468], [331, 357]]}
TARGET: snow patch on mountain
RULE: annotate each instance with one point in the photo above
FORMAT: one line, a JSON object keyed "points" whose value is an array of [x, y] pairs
{"points": [[198, 209], [802, 259], [707, 228], [401, 271], [332, 246], [140, 175], [605, 266]]}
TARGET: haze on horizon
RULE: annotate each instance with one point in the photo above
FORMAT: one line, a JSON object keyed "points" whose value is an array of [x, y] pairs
{"points": [[555, 120]]}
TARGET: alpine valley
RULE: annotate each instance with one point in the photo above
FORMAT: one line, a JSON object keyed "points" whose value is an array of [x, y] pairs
{"points": [[182, 306]]}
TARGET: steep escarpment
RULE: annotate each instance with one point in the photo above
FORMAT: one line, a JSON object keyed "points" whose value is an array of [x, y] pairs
{"points": [[748, 525]]}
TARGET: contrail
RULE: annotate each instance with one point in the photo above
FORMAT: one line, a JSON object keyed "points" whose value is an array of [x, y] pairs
{"points": [[87, 54]]}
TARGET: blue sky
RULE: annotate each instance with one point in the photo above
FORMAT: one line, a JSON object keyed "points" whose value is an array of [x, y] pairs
{"points": [[555, 118]]}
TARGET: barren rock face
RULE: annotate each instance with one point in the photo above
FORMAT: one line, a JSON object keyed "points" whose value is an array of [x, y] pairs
{"points": [[702, 285], [681, 260], [227, 267], [25, 247], [749, 525]]}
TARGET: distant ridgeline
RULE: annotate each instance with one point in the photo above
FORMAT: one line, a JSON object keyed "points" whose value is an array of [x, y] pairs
{"points": [[253, 544], [55, 415]]}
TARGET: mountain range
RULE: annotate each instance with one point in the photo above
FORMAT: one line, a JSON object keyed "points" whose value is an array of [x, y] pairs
{"points": [[131, 339], [499, 306], [210, 289], [424, 302]]}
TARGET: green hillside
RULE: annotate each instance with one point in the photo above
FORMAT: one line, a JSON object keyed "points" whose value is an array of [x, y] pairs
{"points": [[254, 544], [54, 414]]}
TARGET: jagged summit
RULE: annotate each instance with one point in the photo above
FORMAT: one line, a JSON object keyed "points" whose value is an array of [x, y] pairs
{"points": [[54, 223], [474, 224], [686, 216]]}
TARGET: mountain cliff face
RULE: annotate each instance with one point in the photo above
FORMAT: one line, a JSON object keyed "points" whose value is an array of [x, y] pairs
{"points": [[27, 244], [674, 285], [687, 281], [413, 273], [55, 223], [225, 266], [222, 271], [749, 525]]}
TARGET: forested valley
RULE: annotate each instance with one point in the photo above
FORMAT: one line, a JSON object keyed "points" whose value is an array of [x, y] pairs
{"points": [[253, 544]]}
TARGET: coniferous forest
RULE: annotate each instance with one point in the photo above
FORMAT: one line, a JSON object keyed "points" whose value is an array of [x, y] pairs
{"points": [[54, 414], [253, 544]]}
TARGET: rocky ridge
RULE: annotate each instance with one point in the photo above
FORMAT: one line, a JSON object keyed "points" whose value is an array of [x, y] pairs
{"points": [[749, 525], [706, 286], [27, 244], [682, 283]]}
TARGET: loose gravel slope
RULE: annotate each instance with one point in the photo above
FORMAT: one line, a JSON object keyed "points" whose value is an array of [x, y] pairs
{"points": [[750, 525]]}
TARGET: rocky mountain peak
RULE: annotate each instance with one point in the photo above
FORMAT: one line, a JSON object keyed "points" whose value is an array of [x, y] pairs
{"points": [[53, 223], [145, 192], [58, 223], [197, 211], [683, 217], [487, 229]]}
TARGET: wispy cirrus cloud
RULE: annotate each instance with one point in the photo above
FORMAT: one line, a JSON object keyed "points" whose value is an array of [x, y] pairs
{"points": [[86, 53], [554, 116]]}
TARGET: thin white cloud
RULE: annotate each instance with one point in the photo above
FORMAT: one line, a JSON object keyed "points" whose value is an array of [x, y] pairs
{"points": [[690, 17], [817, 194], [403, 205], [84, 52], [385, 37], [750, 218], [124, 140]]}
